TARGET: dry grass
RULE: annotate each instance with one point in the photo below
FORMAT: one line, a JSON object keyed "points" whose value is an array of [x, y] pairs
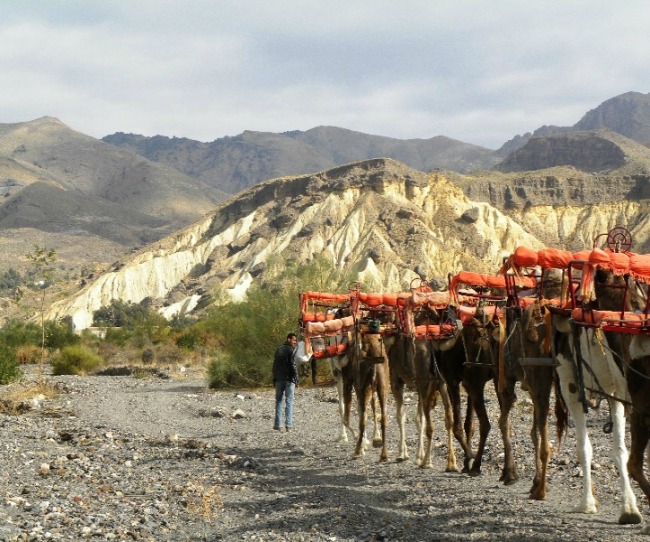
{"points": [[29, 354], [205, 502], [20, 399]]}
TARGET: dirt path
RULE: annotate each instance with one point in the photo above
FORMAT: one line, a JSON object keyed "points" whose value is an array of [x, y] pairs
{"points": [[217, 476]]}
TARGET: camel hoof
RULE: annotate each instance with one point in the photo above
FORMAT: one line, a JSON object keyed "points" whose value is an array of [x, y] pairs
{"points": [[474, 472], [377, 443], [425, 465], [537, 495], [401, 459], [585, 509], [646, 530], [629, 518], [383, 458], [451, 469], [508, 481]]}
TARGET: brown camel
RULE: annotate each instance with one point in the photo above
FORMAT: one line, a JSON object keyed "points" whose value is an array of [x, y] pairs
{"points": [[370, 374], [528, 361], [413, 363]]}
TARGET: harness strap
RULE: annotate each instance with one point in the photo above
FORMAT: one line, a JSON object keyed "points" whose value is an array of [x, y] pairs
{"points": [[502, 361], [578, 368]]}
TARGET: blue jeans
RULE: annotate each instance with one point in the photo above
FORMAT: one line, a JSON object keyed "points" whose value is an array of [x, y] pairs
{"points": [[284, 389]]}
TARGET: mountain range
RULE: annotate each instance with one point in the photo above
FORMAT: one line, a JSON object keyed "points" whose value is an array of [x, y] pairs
{"points": [[126, 198]]}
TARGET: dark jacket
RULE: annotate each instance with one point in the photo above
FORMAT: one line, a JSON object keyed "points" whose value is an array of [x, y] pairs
{"points": [[284, 365]]}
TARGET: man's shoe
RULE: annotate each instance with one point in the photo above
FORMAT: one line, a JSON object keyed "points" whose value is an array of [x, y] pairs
{"points": [[289, 429], [277, 428]]}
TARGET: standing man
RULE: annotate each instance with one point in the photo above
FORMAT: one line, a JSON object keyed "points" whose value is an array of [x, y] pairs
{"points": [[285, 378]]}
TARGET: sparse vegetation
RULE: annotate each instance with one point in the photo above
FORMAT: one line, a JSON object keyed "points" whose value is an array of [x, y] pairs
{"points": [[10, 280], [251, 331], [42, 259], [235, 341], [19, 400], [75, 360], [9, 370]]}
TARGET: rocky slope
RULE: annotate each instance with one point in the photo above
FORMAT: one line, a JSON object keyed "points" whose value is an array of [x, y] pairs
{"points": [[87, 192], [236, 163], [627, 114], [381, 221], [593, 151]]}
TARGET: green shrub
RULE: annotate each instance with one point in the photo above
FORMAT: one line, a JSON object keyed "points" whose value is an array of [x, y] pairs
{"points": [[223, 373], [9, 370], [17, 333], [190, 339], [119, 314], [10, 280], [118, 336], [59, 334], [75, 360], [252, 330]]}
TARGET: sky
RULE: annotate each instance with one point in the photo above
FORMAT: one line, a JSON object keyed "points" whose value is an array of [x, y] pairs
{"points": [[477, 71]]}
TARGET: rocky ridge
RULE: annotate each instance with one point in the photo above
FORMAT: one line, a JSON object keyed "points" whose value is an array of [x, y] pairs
{"points": [[380, 220], [383, 222]]}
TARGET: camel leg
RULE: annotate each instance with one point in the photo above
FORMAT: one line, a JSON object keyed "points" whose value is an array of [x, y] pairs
{"points": [[419, 422], [506, 401], [383, 405], [638, 448], [428, 403], [347, 406], [454, 397], [630, 514], [342, 436], [468, 427], [362, 401], [377, 415], [449, 426], [587, 504], [478, 402], [398, 393], [540, 392]]}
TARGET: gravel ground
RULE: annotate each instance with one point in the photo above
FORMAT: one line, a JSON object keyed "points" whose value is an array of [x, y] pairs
{"points": [[125, 458]]}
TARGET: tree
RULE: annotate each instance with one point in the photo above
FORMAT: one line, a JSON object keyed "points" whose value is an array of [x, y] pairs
{"points": [[251, 330], [42, 274]]}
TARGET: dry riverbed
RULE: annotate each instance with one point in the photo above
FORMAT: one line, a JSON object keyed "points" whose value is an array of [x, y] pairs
{"points": [[164, 458]]}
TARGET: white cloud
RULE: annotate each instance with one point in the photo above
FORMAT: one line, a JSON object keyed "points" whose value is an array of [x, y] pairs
{"points": [[477, 71]]}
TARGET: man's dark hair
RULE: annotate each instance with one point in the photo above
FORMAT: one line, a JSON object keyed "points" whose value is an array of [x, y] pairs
{"points": [[291, 335]]}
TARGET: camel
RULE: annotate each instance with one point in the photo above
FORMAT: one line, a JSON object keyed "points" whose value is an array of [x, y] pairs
{"points": [[369, 373], [413, 363], [492, 347], [638, 382], [589, 369], [526, 332], [612, 294], [473, 364], [344, 375]]}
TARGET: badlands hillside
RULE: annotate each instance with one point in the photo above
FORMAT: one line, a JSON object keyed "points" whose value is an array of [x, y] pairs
{"points": [[136, 218], [379, 219]]}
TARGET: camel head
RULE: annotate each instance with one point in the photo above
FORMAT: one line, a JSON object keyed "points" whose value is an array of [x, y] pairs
{"points": [[373, 348]]}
